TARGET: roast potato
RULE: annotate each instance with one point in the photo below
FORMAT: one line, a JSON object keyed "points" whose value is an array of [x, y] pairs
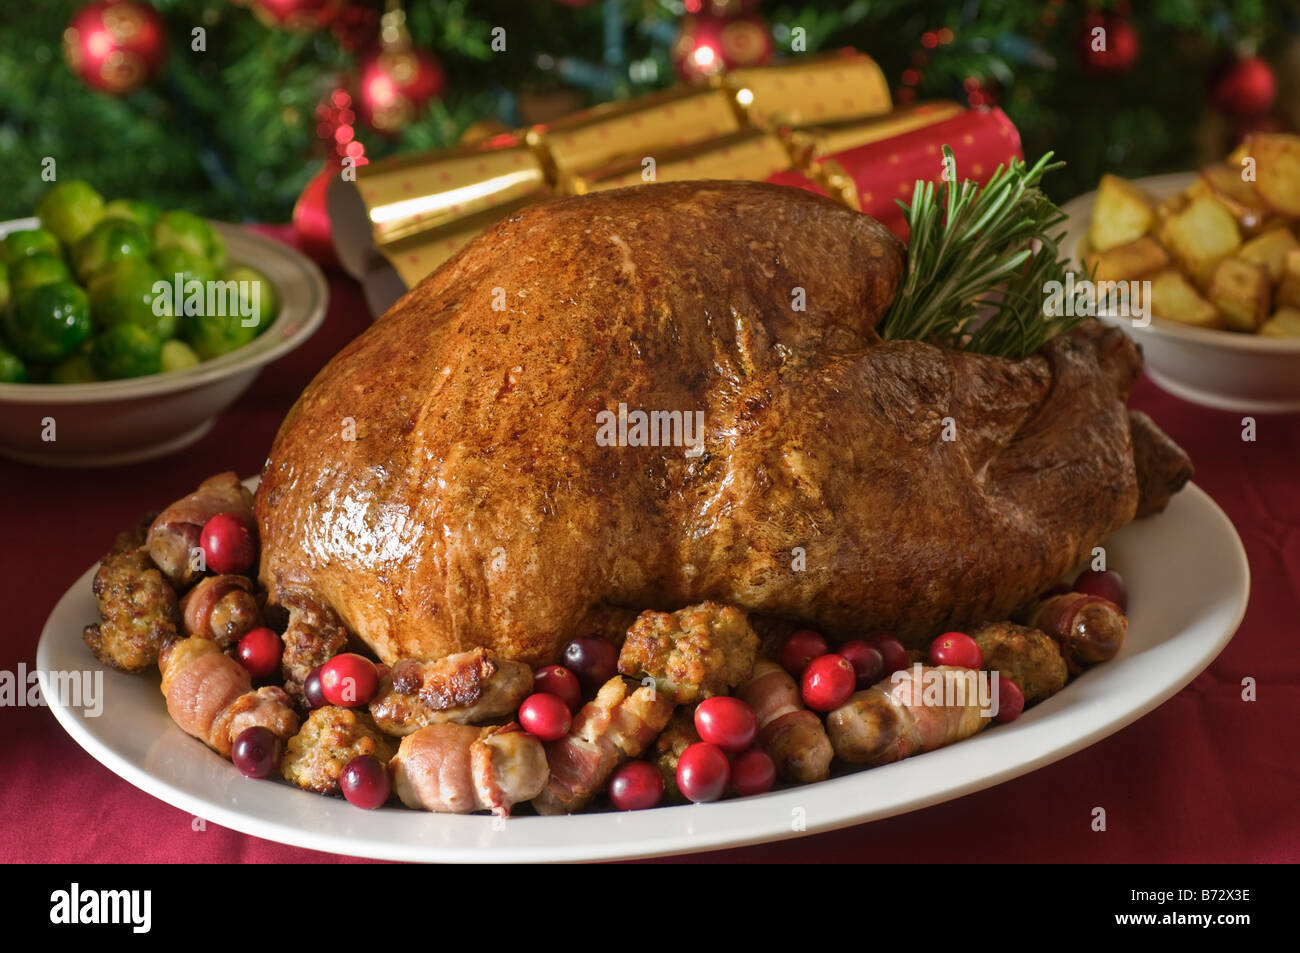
{"points": [[1129, 261], [1277, 170], [1288, 290], [1270, 250], [1240, 290], [1224, 183], [1123, 214], [1174, 298], [1170, 206], [1285, 323], [1201, 235]]}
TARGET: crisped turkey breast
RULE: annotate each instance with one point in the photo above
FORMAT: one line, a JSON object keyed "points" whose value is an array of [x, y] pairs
{"points": [[842, 482]]}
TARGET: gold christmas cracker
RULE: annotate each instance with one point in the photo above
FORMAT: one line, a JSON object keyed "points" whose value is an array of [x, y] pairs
{"points": [[813, 91], [748, 154], [404, 216], [414, 194], [419, 254], [808, 143], [599, 136]]}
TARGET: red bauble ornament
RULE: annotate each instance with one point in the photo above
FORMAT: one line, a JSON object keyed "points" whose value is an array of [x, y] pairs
{"points": [[707, 45], [395, 82], [297, 14], [115, 46], [1247, 87], [354, 27], [394, 85], [1110, 45], [978, 93]]}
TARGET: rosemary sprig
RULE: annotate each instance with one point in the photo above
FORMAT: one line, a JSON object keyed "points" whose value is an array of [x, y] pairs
{"points": [[977, 263]]}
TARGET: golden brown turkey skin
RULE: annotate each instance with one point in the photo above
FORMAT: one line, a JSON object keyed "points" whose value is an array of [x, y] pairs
{"points": [[475, 505]]}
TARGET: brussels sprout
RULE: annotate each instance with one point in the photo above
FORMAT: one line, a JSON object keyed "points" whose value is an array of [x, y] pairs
{"points": [[189, 231], [12, 369], [123, 293], [70, 210], [111, 240], [212, 335], [5, 291], [143, 214], [256, 294], [218, 255], [74, 370], [126, 350], [31, 241], [177, 355], [36, 270], [49, 321], [175, 260]]}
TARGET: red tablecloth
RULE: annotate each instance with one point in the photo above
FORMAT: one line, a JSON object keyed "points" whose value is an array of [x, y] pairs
{"points": [[1206, 777]]}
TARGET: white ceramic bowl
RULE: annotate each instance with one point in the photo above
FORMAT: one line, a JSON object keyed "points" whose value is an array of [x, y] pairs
{"points": [[1222, 369], [107, 423]]}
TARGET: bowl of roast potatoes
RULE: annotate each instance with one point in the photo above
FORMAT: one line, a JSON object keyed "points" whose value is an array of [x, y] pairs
{"points": [[1217, 255]]}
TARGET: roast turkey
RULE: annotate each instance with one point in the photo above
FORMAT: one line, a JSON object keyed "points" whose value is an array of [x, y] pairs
{"points": [[471, 471]]}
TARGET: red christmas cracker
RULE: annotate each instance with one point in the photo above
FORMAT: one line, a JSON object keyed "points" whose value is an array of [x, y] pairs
{"points": [[883, 171]]}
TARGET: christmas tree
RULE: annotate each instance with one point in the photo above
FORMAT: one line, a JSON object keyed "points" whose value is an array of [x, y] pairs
{"points": [[229, 108]]}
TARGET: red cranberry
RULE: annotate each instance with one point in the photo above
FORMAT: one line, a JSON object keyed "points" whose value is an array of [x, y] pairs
{"points": [[891, 652], [867, 661], [956, 648], [636, 786], [800, 648], [545, 715], [365, 783], [1011, 700], [703, 772], [311, 690], [228, 545], [726, 722], [593, 660], [256, 752], [560, 682], [752, 772], [1108, 584], [349, 680], [259, 651], [827, 682]]}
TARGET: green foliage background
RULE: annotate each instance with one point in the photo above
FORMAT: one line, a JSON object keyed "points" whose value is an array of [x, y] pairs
{"points": [[230, 132]]}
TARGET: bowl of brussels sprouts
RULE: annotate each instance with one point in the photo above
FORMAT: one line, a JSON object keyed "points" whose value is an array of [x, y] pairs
{"points": [[125, 329]]}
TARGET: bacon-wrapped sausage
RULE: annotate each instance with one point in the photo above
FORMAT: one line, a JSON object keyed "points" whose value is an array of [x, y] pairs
{"points": [[1088, 628], [613, 727], [902, 715], [174, 535], [210, 696], [464, 688], [221, 608], [459, 769], [791, 734]]}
